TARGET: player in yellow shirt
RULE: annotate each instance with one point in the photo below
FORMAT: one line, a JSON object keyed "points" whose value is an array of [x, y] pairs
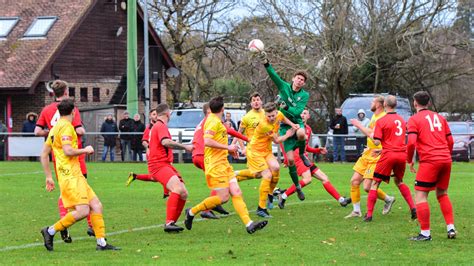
{"points": [[260, 159], [365, 165], [76, 193], [247, 127], [219, 173]]}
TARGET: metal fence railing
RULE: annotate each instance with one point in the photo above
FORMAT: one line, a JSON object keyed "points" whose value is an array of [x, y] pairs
{"points": [[16, 145]]}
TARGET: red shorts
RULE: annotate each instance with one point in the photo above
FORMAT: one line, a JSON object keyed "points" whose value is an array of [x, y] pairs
{"points": [[431, 175], [393, 161], [301, 168], [198, 161], [163, 173]]}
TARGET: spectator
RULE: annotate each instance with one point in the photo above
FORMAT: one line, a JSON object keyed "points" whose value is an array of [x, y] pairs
{"points": [[125, 126], [361, 140], [137, 147], [229, 123], [339, 126], [3, 138], [29, 127], [110, 140]]}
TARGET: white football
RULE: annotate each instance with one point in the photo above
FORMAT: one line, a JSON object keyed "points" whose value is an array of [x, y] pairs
{"points": [[256, 46]]}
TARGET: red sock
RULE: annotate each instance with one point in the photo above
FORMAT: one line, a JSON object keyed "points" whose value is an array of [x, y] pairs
{"points": [[171, 207], [371, 200], [405, 191], [213, 192], [89, 223], [145, 177], [292, 189], [62, 210], [446, 208], [423, 214], [179, 209], [331, 190]]}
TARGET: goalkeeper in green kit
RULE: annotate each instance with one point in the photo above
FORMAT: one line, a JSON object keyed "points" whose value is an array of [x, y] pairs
{"points": [[292, 99]]}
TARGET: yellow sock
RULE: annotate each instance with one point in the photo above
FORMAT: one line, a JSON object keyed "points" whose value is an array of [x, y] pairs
{"points": [[355, 194], [241, 209], [381, 194], [274, 182], [207, 204], [98, 225], [264, 191], [65, 222], [245, 174]]}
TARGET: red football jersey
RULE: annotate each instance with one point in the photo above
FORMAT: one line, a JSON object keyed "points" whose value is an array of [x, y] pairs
{"points": [[198, 139], [50, 115], [146, 133], [429, 133], [158, 152], [390, 130]]}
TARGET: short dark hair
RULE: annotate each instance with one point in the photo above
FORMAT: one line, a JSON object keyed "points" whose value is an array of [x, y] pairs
{"points": [[301, 73], [216, 104], [59, 87], [422, 98], [162, 108], [205, 107], [65, 107], [152, 110], [255, 94], [269, 107]]}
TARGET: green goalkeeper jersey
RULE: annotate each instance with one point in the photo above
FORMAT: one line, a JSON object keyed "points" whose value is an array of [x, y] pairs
{"points": [[295, 100]]}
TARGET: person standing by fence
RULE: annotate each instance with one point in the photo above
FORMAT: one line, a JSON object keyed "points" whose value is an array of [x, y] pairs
{"points": [[137, 147], [110, 140], [125, 126]]}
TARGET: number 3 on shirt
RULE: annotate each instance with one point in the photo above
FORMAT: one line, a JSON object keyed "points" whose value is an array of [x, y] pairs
{"points": [[435, 123], [399, 127]]}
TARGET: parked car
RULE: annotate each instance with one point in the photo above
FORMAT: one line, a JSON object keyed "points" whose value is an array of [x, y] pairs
{"points": [[350, 107], [185, 121], [463, 141]]}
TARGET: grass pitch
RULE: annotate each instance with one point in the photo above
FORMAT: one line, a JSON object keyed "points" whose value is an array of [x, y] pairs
{"points": [[308, 232]]}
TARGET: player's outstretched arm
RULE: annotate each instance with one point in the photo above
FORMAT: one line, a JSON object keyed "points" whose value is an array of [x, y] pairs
{"points": [[208, 142], [44, 158], [280, 83], [365, 130], [70, 151], [175, 145], [279, 139], [291, 124]]}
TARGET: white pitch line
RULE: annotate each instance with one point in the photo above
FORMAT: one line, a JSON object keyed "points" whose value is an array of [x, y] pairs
{"points": [[21, 173], [25, 246]]}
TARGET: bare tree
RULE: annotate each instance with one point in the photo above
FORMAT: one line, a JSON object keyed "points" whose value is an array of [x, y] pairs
{"points": [[191, 27]]}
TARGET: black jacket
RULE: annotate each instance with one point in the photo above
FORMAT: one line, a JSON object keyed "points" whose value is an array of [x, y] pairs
{"points": [[29, 126], [109, 126], [138, 127], [126, 125], [342, 121]]}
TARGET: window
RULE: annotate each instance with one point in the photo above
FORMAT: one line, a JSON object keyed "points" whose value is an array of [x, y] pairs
{"points": [[72, 92], [83, 94], [40, 27], [6, 25], [96, 94]]}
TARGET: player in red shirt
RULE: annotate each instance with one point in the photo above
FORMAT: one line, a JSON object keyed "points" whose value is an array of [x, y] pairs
{"points": [[429, 133], [390, 132], [48, 118], [308, 172], [145, 142], [160, 159], [198, 156]]}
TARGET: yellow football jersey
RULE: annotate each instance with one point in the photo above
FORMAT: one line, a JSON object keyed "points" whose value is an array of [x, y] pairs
{"points": [[61, 134], [370, 142], [263, 134], [250, 121], [214, 129]]}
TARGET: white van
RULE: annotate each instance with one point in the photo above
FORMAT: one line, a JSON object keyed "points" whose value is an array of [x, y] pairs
{"points": [[186, 121]]}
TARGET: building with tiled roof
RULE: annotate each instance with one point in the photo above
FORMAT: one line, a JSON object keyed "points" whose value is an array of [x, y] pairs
{"points": [[83, 42]]}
